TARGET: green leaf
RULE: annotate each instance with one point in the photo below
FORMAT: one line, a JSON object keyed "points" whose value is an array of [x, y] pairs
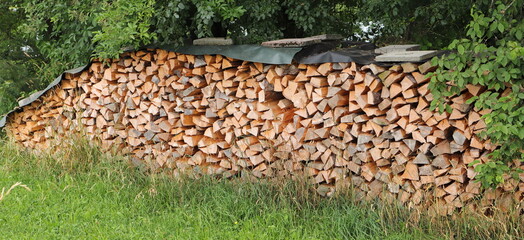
{"points": [[500, 27], [472, 99], [460, 49]]}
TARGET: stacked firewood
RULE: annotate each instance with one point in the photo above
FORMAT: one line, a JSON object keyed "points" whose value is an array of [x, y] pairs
{"points": [[340, 123]]}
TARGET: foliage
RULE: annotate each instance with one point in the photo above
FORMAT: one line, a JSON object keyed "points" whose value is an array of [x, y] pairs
{"points": [[20, 59], [170, 21], [251, 21], [433, 24], [105, 27], [63, 31], [124, 23], [492, 56], [208, 13]]}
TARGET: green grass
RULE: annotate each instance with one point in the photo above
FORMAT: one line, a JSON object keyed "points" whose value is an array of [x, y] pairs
{"points": [[84, 194]]}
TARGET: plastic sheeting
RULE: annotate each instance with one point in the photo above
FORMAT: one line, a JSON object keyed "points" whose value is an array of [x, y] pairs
{"points": [[359, 52], [251, 53], [4, 119], [358, 56]]}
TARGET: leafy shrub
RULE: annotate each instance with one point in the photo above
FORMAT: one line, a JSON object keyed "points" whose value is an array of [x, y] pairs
{"points": [[491, 56]]}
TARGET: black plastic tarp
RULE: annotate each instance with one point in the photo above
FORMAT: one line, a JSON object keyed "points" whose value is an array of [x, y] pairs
{"points": [[359, 52], [358, 56], [251, 53]]}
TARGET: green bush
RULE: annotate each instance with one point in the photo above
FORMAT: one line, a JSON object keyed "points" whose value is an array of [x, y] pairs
{"points": [[491, 56]]}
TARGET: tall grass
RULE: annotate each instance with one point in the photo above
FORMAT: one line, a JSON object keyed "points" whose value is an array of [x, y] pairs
{"points": [[82, 193]]}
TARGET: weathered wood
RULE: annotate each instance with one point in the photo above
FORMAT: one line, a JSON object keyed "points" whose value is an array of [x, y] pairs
{"points": [[411, 172]]}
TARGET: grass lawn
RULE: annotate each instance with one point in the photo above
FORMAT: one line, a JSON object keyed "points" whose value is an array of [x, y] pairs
{"points": [[83, 194]]}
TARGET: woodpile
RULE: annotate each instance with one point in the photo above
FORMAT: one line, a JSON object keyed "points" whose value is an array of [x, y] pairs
{"points": [[341, 123]]}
